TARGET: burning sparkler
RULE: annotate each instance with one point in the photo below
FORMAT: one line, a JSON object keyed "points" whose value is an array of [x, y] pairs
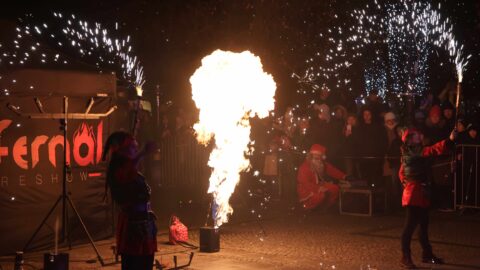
{"points": [[228, 89], [405, 30], [66, 37]]}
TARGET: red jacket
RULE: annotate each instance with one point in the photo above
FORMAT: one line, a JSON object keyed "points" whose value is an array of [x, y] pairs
{"points": [[308, 184], [414, 191]]}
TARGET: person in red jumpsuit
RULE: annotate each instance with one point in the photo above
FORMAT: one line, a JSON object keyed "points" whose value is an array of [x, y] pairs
{"points": [[416, 191], [314, 187], [136, 231]]}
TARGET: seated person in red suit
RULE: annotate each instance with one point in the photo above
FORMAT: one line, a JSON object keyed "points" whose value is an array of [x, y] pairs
{"points": [[314, 180]]}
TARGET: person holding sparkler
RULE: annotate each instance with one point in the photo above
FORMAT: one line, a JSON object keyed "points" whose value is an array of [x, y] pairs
{"points": [[416, 191]]}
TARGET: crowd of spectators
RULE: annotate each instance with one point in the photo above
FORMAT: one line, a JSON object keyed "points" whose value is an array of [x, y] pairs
{"points": [[363, 137]]}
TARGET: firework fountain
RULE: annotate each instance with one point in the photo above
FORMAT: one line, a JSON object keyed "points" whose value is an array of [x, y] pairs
{"points": [[399, 35], [65, 37]]}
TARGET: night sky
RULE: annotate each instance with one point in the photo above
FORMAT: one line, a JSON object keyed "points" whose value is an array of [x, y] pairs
{"points": [[171, 37]]}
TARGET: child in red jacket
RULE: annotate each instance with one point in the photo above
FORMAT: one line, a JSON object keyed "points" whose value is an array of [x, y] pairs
{"points": [[416, 191]]}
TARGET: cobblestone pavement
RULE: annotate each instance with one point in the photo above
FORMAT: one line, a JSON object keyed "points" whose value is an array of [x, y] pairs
{"points": [[314, 241]]}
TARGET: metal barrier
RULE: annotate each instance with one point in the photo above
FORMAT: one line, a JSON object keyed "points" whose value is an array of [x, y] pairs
{"points": [[467, 186], [182, 164]]}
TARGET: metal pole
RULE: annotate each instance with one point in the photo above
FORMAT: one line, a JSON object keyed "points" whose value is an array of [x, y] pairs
{"points": [[25, 248], [476, 176], [158, 107], [64, 179], [455, 177], [463, 173], [86, 231]]}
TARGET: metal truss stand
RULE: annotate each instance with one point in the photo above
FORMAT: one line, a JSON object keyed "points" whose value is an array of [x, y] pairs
{"points": [[64, 198]]}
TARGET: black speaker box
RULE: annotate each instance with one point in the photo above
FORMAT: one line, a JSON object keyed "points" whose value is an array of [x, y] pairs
{"points": [[55, 262], [362, 201], [209, 239]]}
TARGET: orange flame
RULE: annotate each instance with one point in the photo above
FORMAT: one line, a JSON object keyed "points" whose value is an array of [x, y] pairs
{"points": [[228, 89]]}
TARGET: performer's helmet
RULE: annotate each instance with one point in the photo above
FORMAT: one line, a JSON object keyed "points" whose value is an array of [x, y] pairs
{"points": [[412, 136]]}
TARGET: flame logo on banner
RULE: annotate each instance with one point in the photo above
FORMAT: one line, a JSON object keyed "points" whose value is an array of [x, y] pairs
{"points": [[228, 89], [84, 135]]}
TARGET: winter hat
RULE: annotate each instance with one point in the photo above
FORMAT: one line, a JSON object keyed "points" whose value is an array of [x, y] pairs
{"points": [[435, 111], [472, 126], [389, 116], [318, 149]]}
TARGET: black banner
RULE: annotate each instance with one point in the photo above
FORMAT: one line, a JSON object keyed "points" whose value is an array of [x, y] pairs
{"points": [[31, 170]]}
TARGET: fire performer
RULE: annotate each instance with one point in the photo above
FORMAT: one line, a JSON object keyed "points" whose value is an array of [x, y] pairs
{"points": [[136, 231], [416, 191], [314, 187]]}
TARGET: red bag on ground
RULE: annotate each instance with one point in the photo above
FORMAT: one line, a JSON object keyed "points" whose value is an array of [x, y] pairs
{"points": [[178, 231]]}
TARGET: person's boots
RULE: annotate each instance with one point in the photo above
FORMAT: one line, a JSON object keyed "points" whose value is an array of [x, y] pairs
{"points": [[406, 262], [428, 257]]}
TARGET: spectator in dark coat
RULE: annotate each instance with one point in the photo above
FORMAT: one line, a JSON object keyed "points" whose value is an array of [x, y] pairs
{"points": [[448, 112], [371, 147], [468, 158], [349, 132], [436, 129], [394, 153], [376, 105], [320, 128], [472, 132], [461, 127], [337, 140], [390, 123]]}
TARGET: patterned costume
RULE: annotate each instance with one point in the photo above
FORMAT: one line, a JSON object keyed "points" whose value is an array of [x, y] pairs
{"points": [[136, 231]]}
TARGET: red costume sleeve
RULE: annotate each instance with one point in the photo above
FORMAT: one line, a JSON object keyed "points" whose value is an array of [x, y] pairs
{"points": [[401, 174], [333, 172], [437, 149]]}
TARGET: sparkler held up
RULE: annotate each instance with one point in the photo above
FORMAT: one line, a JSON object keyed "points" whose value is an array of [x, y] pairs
{"points": [[460, 64], [409, 28]]}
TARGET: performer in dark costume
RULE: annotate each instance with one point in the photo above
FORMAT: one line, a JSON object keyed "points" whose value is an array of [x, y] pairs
{"points": [[136, 230], [416, 191]]}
